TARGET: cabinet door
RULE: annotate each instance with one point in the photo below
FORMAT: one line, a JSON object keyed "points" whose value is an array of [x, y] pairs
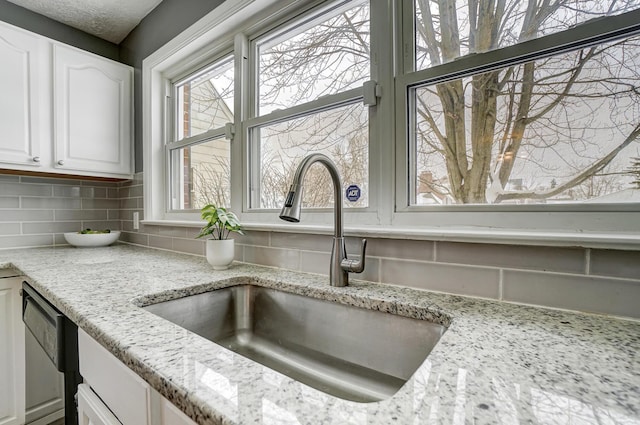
{"points": [[19, 117], [11, 353], [91, 410], [92, 113]]}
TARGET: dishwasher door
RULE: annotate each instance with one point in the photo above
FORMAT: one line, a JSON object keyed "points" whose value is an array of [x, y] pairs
{"points": [[58, 337]]}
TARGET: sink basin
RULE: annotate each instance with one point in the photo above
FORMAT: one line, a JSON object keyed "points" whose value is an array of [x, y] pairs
{"points": [[352, 353]]}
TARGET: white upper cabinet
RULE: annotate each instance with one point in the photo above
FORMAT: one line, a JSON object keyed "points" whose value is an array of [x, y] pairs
{"points": [[19, 117], [63, 110], [92, 112]]}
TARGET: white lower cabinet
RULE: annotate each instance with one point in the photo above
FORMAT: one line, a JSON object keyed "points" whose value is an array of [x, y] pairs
{"points": [[12, 384], [112, 387], [91, 410]]}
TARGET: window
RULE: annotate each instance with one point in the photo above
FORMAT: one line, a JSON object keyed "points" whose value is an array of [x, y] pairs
{"points": [[563, 129], [545, 111], [309, 98], [444, 113], [199, 156]]}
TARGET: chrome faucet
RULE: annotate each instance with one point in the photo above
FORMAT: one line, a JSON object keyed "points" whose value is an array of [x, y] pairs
{"points": [[340, 266]]}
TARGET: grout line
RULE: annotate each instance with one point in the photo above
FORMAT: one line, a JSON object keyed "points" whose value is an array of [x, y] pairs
{"points": [[501, 285], [435, 251], [587, 261]]}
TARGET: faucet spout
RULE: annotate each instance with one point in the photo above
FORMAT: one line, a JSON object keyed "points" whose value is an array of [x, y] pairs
{"points": [[340, 266]]}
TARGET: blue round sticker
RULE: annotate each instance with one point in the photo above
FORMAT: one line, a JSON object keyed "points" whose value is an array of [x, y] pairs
{"points": [[353, 193]]}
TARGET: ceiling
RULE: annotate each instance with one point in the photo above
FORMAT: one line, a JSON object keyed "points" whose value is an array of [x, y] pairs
{"points": [[111, 20]]}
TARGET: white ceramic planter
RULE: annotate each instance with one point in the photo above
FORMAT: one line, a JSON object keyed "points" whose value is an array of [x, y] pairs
{"points": [[220, 253]]}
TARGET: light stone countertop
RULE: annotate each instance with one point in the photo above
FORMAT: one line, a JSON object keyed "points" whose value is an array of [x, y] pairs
{"points": [[496, 364]]}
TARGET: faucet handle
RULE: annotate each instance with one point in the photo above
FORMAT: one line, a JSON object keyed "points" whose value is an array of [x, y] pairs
{"points": [[355, 266]]}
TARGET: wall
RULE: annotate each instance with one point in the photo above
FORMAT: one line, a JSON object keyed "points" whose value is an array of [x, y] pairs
{"points": [[592, 280], [167, 20], [21, 17], [36, 211]]}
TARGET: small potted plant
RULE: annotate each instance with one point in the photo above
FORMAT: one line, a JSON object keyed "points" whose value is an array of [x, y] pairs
{"points": [[219, 225]]}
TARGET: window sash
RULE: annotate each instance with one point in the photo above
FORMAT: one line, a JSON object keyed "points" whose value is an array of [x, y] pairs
{"points": [[591, 33]]}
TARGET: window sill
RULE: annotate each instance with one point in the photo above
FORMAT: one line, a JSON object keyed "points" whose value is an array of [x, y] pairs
{"points": [[622, 241]]}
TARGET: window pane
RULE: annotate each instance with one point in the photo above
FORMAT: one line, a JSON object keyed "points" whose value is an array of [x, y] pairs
{"points": [[445, 30], [205, 102], [317, 58], [200, 175], [340, 133], [558, 130]]}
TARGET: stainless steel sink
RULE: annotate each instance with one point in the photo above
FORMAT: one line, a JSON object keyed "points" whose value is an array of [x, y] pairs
{"points": [[349, 352]]}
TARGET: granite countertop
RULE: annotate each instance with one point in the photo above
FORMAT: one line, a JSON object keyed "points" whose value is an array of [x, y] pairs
{"points": [[497, 363]]}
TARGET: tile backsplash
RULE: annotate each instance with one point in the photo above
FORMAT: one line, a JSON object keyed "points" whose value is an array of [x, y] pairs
{"points": [[36, 211]]}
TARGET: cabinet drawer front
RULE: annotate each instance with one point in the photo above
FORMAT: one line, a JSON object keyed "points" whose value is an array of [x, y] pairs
{"points": [[126, 394]]}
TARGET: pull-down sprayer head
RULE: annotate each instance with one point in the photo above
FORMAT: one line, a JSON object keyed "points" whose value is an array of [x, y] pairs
{"points": [[292, 204]]}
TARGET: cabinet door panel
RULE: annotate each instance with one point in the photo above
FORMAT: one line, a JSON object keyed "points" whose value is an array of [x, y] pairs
{"points": [[11, 353], [19, 118], [92, 113]]}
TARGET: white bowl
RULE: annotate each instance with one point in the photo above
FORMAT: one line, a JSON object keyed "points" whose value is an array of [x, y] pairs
{"points": [[95, 239]]}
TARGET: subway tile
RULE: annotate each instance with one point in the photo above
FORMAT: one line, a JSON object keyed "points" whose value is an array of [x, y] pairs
{"points": [[21, 189], [9, 228], [275, 257], [191, 246], [9, 202], [51, 227], [238, 252], [315, 262], [192, 232], [544, 258], [112, 214], [67, 191], [605, 262], [101, 224], [583, 293], [64, 215], [455, 279], [100, 204], [128, 204], [147, 228], [113, 193], [161, 242], [134, 238], [135, 192], [127, 226], [26, 215], [58, 239], [21, 241], [399, 248], [176, 232], [304, 241], [128, 214], [51, 203], [93, 192], [252, 237], [9, 178]]}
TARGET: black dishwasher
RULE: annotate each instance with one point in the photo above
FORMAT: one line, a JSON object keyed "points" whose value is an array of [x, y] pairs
{"points": [[58, 337]]}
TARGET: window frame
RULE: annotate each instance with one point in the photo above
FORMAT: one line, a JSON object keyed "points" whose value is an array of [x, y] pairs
{"points": [[587, 217], [231, 25], [276, 28]]}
